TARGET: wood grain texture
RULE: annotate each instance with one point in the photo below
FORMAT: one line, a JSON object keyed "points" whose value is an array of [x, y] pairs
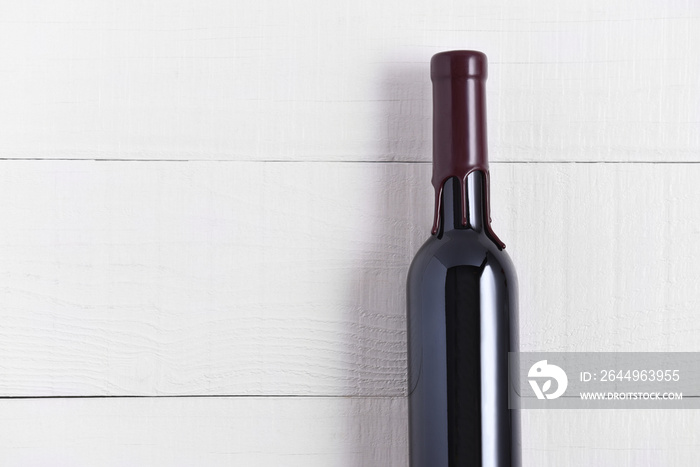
{"points": [[203, 278], [607, 438], [317, 431], [257, 80], [606, 255], [184, 432], [174, 278]]}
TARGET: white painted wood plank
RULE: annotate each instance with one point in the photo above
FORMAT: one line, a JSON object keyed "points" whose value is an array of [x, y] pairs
{"points": [[606, 254], [634, 438], [261, 432], [204, 278], [288, 278], [261, 80], [311, 431]]}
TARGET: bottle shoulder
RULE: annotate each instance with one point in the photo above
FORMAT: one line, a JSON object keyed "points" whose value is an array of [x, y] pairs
{"points": [[461, 248]]}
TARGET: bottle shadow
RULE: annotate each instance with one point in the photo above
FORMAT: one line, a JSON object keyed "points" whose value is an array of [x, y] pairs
{"points": [[400, 214]]}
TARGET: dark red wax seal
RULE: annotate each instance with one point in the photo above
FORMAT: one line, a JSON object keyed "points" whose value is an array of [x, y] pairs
{"points": [[459, 127]]}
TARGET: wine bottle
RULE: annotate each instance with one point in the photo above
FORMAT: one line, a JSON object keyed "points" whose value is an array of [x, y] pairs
{"points": [[461, 292]]}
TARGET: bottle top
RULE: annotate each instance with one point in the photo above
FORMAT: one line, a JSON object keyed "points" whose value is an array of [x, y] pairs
{"points": [[458, 64]]}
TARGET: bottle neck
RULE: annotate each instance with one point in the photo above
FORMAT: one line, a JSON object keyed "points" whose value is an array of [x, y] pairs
{"points": [[460, 159], [453, 212], [459, 125]]}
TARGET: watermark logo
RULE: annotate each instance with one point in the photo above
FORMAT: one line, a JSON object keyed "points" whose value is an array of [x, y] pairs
{"points": [[541, 370]]}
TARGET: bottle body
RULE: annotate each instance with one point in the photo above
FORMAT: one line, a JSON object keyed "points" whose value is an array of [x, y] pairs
{"points": [[462, 322]]}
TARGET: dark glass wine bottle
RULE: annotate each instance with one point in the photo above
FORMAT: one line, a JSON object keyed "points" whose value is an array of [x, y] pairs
{"points": [[462, 292]]}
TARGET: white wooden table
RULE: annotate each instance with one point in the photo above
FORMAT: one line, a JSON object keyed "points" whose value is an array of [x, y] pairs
{"points": [[212, 206]]}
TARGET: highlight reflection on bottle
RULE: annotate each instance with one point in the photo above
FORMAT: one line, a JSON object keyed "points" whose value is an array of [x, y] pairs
{"points": [[461, 291]]}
